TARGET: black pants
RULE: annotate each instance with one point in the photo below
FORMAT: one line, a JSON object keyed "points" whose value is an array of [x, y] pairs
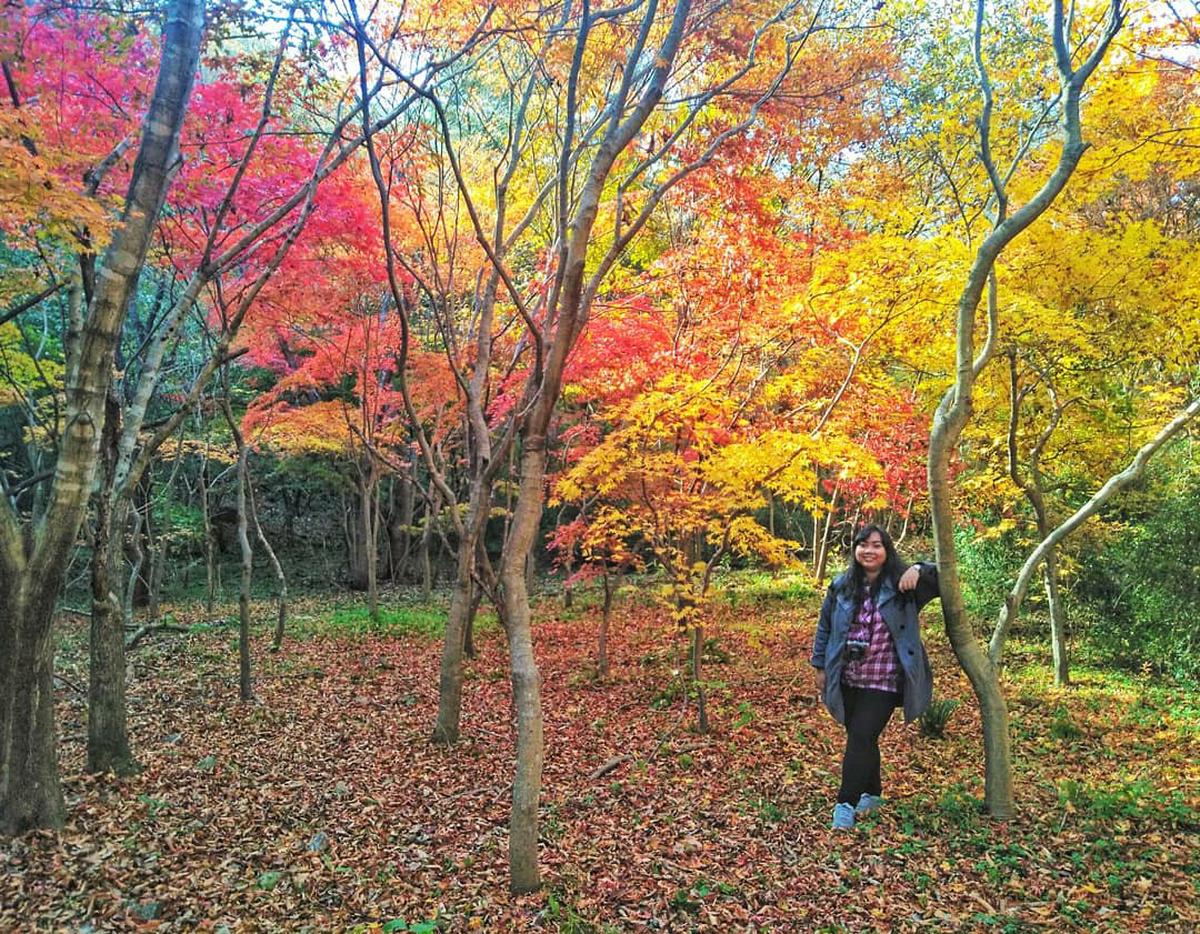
{"points": [[867, 713]]}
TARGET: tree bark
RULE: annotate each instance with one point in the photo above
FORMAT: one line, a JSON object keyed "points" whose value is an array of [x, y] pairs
{"points": [[458, 621], [32, 567], [605, 619], [280, 577], [524, 875], [107, 737], [702, 726], [210, 546], [367, 489], [245, 677], [1058, 635], [29, 783]]}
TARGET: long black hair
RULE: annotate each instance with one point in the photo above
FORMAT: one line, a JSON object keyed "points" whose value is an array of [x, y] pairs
{"points": [[892, 568]]}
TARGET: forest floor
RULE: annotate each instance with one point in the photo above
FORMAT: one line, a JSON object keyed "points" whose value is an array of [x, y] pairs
{"points": [[323, 806]]}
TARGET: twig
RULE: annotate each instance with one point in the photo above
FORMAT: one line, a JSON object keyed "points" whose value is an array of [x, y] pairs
{"points": [[602, 770], [65, 682]]}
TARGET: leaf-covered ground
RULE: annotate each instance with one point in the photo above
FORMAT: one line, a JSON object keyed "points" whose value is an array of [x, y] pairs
{"points": [[324, 807]]}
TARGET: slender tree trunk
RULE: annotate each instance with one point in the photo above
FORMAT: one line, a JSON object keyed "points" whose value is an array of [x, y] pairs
{"points": [[399, 529], [823, 555], [135, 566], [524, 875], [425, 558], [280, 577], [108, 739], [367, 491], [698, 679], [210, 558], [983, 675], [245, 682], [1058, 636], [605, 619]]}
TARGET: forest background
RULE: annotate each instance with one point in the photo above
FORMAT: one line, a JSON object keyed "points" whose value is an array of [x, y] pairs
{"points": [[494, 359]]}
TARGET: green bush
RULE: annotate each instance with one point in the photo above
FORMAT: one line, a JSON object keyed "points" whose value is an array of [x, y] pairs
{"points": [[987, 566], [1139, 592]]}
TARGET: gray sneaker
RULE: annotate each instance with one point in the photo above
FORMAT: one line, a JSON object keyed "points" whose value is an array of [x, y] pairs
{"points": [[843, 816], [867, 803]]}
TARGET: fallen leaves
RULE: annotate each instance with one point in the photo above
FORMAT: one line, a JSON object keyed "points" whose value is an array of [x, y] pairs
{"points": [[325, 806]]}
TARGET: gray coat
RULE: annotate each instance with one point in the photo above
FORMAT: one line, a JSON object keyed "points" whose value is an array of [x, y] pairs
{"points": [[899, 612]]}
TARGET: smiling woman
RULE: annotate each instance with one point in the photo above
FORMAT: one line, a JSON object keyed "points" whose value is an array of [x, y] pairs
{"points": [[870, 659]]}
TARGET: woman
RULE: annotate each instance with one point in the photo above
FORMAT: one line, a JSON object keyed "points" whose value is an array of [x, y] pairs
{"points": [[870, 660]]}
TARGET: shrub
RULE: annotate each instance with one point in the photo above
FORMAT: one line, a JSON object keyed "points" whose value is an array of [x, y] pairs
{"points": [[937, 717], [987, 564], [1140, 590]]}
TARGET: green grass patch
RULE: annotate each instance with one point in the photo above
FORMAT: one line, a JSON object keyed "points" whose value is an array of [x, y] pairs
{"points": [[1134, 801], [761, 588], [429, 622]]}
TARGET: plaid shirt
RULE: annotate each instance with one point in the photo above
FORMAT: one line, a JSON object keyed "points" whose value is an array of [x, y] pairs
{"points": [[879, 668]]}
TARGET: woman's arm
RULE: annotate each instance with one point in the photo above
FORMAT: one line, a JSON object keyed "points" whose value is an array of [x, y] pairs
{"points": [[920, 579]]}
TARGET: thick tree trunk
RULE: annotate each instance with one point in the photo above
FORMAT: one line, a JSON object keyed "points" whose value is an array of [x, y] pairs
{"points": [[32, 566], [450, 679], [469, 635], [30, 794]]}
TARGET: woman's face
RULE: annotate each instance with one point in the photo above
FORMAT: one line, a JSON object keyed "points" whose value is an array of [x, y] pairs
{"points": [[870, 553]]}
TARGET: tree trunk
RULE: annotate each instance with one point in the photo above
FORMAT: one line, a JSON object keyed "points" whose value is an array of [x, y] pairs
{"points": [[425, 558], [356, 547], [245, 682], [524, 875], [983, 675], [602, 647], [469, 635], [822, 560], [30, 794], [367, 488], [698, 679], [1058, 636], [210, 559], [137, 561], [160, 547], [400, 530], [107, 738], [280, 577], [32, 567]]}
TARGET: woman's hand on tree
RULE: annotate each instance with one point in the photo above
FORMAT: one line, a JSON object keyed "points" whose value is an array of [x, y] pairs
{"points": [[909, 579]]}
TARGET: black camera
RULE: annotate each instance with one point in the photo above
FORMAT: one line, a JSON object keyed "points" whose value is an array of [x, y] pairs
{"points": [[855, 649]]}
